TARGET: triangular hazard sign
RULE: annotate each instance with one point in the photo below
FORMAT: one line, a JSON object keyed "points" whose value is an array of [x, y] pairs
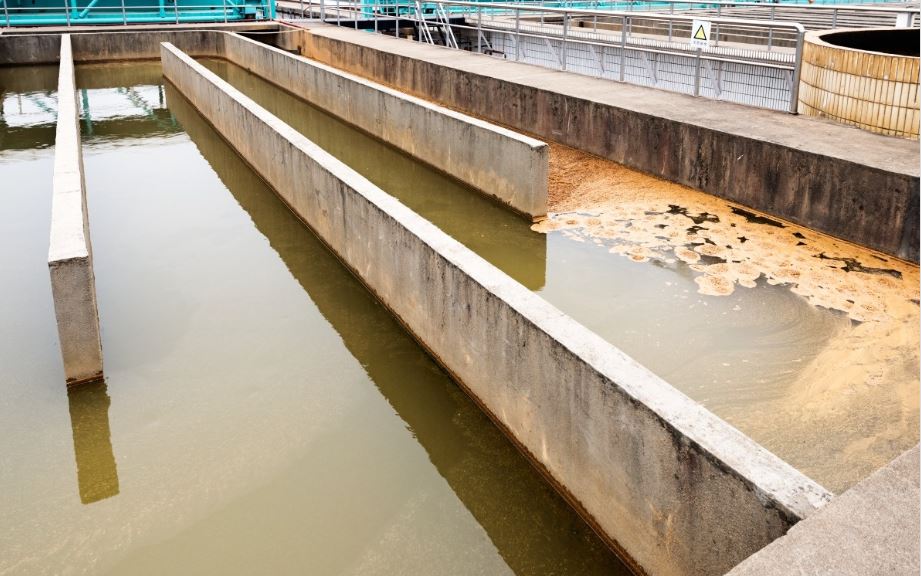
{"points": [[700, 34]]}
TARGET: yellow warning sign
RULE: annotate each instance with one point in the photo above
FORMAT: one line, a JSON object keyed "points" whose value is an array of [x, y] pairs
{"points": [[700, 33]]}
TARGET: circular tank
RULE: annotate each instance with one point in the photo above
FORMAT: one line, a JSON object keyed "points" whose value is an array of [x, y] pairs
{"points": [[867, 78]]}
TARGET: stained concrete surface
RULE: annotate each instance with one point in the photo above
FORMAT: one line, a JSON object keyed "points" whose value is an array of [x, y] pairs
{"points": [[870, 530], [70, 254]]}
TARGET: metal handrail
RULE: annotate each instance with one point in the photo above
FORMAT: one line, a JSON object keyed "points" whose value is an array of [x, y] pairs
{"points": [[727, 3], [472, 13], [69, 14], [493, 6]]}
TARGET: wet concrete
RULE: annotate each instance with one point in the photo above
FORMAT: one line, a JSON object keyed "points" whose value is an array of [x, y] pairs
{"points": [[733, 307], [263, 412]]}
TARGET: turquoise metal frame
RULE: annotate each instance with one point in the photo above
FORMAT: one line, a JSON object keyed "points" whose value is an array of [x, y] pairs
{"points": [[89, 12]]}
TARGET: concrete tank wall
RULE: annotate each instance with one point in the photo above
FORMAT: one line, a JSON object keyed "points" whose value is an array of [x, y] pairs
{"points": [[836, 179], [669, 484], [506, 165], [70, 253], [31, 49], [139, 43], [109, 46]]}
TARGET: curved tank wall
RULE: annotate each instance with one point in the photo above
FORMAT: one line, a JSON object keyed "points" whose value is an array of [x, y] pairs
{"points": [[866, 78]]}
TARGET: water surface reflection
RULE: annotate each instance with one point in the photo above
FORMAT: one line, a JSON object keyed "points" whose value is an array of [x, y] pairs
{"points": [[97, 474]]}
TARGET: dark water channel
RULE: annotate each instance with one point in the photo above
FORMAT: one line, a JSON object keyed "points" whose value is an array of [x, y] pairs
{"points": [[262, 413]]}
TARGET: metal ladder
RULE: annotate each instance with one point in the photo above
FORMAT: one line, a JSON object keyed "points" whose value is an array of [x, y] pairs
{"points": [[442, 26]]}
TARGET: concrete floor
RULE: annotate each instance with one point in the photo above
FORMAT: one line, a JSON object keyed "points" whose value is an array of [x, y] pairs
{"points": [[870, 529]]}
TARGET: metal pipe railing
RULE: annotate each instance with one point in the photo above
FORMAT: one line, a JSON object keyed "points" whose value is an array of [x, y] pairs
{"points": [[519, 22], [642, 5], [69, 13]]}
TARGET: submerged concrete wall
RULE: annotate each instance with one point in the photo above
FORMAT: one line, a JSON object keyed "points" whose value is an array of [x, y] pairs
{"points": [[836, 179], [669, 484], [70, 255], [501, 163]]}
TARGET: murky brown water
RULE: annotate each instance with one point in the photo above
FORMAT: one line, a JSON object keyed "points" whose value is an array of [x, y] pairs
{"points": [[262, 413], [812, 356]]}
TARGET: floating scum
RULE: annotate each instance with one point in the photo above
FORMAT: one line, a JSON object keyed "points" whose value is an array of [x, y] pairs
{"points": [[848, 409]]}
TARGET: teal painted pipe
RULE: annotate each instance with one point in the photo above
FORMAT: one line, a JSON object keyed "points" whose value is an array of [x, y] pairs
{"points": [[58, 19], [68, 12], [87, 9]]}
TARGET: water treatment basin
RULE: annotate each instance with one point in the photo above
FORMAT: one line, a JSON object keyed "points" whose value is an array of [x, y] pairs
{"points": [[262, 412], [765, 323]]}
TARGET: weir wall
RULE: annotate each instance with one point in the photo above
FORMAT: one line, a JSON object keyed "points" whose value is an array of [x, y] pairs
{"points": [[674, 488], [70, 253], [511, 167]]}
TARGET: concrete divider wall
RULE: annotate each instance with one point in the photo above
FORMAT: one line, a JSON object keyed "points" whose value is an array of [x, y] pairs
{"points": [[70, 255], [142, 43], [835, 179], [29, 49], [501, 163], [672, 486], [136, 45]]}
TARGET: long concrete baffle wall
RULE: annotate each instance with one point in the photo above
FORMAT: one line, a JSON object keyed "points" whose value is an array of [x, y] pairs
{"points": [[674, 488], [504, 164], [70, 255]]}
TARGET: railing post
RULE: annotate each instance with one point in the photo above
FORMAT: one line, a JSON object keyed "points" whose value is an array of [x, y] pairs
{"points": [[479, 30], [697, 73], [322, 10], [797, 69], [338, 14], [517, 34], [834, 18], [6, 14], [356, 5], [396, 30], [564, 56], [623, 47], [124, 14]]}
